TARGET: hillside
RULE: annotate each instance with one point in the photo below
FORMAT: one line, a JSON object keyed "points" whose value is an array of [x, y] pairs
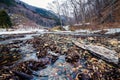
{"points": [[110, 12], [20, 21], [43, 12], [107, 17], [31, 13]]}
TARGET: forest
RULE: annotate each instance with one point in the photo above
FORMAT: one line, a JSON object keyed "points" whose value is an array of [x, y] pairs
{"points": [[87, 11]]}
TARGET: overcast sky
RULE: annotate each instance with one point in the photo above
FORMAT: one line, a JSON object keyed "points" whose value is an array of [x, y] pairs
{"points": [[38, 3]]}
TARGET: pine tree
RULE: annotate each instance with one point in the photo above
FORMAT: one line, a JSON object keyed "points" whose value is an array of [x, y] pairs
{"points": [[8, 2], [5, 21]]}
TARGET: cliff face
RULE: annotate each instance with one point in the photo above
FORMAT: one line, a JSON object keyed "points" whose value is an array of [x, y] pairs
{"points": [[23, 11]]}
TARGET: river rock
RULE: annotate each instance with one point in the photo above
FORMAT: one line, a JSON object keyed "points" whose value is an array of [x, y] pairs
{"points": [[72, 56], [41, 54]]}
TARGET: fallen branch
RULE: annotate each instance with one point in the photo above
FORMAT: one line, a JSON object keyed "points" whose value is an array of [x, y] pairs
{"points": [[100, 52]]}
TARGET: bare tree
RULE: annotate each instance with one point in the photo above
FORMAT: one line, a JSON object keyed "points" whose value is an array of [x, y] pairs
{"points": [[86, 10], [75, 10], [66, 11], [55, 6]]}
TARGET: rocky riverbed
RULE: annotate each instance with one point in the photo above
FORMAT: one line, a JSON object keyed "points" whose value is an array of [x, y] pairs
{"points": [[52, 56]]}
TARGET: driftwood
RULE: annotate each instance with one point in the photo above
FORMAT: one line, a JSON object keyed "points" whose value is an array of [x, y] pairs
{"points": [[100, 52]]}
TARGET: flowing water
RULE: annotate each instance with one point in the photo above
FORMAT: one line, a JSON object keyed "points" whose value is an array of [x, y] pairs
{"points": [[59, 70]]}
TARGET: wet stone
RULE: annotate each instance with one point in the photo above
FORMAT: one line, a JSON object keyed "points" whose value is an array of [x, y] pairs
{"points": [[41, 54], [54, 58], [73, 56], [8, 55]]}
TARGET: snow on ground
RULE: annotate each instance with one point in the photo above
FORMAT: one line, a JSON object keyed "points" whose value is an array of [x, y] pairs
{"points": [[109, 31], [113, 30], [21, 31], [80, 24], [83, 31], [31, 30], [66, 27]]}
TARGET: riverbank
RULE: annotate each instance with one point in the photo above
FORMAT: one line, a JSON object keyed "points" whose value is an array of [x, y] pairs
{"points": [[54, 56]]}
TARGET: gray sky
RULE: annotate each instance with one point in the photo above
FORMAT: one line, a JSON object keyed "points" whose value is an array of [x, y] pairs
{"points": [[38, 3]]}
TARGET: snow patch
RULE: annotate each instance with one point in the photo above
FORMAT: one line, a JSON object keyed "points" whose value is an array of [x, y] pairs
{"points": [[113, 30], [21, 31], [83, 31], [66, 27], [80, 24]]}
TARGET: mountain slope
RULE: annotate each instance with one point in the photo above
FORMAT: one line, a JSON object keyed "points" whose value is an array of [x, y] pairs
{"points": [[32, 13], [43, 12]]}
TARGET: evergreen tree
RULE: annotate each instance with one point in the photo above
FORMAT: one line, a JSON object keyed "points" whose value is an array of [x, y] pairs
{"points": [[5, 21], [8, 2]]}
